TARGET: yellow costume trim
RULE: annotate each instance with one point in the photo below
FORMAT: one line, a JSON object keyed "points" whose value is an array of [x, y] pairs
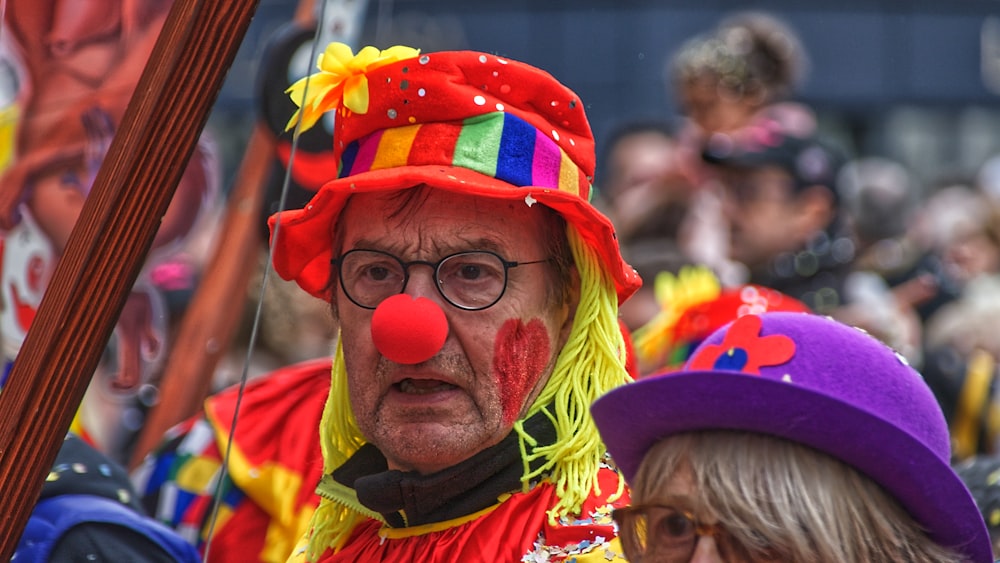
{"points": [[609, 553], [400, 533], [972, 402], [9, 118]]}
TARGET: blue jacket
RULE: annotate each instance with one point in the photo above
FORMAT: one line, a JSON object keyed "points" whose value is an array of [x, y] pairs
{"points": [[88, 511]]}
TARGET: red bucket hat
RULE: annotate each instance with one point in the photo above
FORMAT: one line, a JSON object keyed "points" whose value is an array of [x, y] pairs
{"points": [[463, 121]]}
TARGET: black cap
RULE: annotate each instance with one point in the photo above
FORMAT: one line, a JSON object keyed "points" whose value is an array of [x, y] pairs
{"points": [[809, 160]]}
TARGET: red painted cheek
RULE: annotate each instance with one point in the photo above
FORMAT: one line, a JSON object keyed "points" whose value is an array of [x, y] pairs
{"points": [[520, 354]]}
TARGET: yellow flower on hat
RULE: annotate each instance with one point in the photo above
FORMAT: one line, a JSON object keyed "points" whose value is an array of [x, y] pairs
{"points": [[341, 81]]}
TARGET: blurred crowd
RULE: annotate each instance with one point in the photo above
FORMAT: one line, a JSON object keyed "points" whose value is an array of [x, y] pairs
{"points": [[746, 203]]}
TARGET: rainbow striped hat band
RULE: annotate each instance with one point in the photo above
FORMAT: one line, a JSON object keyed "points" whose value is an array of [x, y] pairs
{"points": [[461, 121], [497, 144]]}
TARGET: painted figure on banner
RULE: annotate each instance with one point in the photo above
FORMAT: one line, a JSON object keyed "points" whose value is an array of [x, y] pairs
{"points": [[67, 72]]}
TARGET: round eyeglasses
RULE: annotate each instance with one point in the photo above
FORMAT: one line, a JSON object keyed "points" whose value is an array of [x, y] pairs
{"points": [[472, 281], [653, 533]]}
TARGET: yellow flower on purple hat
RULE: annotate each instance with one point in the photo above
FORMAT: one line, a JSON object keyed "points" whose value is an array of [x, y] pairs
{"points": [[743, 349], [341, 82]]}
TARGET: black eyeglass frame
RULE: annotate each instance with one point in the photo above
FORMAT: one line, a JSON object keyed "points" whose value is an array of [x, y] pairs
{"points": [[436, 266]]}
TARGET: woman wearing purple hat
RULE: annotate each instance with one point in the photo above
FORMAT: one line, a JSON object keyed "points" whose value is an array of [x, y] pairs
{"points": [[789, 437]]}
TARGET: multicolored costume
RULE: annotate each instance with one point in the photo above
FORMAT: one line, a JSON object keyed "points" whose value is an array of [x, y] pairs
{"points": [[267, 491]]}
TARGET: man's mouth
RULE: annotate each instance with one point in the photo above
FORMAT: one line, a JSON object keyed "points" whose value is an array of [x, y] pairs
{"points": [[423, 386]]}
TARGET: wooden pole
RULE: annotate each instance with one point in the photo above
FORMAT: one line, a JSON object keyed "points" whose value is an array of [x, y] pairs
{"points": [[106, 251]]}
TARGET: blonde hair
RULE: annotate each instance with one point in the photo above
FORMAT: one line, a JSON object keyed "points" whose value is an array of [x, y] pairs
{"points": [[779, 498], [591, 363]]}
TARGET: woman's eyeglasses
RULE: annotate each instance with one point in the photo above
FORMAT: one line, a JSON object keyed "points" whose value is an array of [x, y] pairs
{"points": [[652, 533]]}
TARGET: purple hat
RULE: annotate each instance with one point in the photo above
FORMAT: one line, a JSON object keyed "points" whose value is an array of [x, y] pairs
{"points": [[817, 382]]}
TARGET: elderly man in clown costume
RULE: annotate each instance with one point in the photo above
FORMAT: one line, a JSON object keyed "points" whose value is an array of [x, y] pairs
{"points": [[476, 290]]}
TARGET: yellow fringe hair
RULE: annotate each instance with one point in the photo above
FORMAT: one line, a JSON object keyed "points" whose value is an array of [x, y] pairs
{"points": [[591, 363]]}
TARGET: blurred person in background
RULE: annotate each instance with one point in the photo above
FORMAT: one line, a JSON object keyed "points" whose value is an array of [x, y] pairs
{"points": [[891, 275], [961, 343], [646, 197], [943, 227], [972, 249], [880, 199], [981, 475], [89, 511], [783, 212], [743, 72], [735, 79]]}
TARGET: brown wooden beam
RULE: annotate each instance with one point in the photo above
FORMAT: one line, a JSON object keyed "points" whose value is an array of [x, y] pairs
{"points": [[106, 251]]}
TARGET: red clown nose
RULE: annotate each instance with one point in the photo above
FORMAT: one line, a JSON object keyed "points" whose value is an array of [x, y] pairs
{"points": [[407, 330]]}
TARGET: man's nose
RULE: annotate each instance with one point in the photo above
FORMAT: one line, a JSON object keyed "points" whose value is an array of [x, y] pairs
{"points": [[421, 282]]}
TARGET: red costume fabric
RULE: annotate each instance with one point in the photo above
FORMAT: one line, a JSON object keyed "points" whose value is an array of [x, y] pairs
{"points": [[268, 492], [515, 529]]}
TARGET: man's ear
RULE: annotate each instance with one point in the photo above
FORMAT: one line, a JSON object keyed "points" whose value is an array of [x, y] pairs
{"points": [[817, 209]]}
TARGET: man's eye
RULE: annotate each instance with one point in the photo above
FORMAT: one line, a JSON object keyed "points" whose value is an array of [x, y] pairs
{"points": [[470, 272], [377, 273], [470, 269]]}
